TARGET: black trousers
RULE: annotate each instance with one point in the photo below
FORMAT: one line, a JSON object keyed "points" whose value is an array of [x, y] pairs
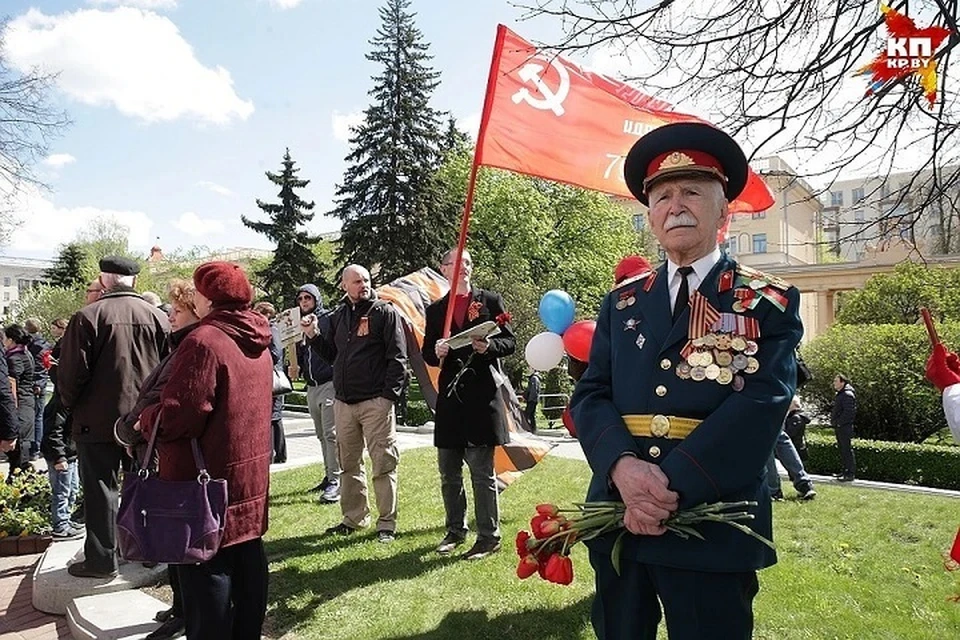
{"points": [[99, 464], [531, 412], [226, 597], [279, 440], [698, 605], [844, 441], [173, 575]]}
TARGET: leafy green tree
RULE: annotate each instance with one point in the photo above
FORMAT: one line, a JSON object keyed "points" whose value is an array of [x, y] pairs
{"points": [[896, 298], [388, 201], [294, 261], [46, 302], [104, 236], [67, 271], [528, 236]]}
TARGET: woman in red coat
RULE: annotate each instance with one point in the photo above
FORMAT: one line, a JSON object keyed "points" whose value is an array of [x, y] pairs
{"points": [[219, 392]]}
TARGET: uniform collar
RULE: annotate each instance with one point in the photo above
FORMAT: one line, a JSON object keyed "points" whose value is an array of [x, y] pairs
{"points": [[701, 266]]}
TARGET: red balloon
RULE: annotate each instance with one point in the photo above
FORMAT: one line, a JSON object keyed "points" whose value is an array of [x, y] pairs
{"points": [[567, 419], [577, 339]]}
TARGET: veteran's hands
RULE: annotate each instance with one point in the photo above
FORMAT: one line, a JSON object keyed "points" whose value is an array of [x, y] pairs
{"points": [[442, 349], [480, 345], [7, 445], [308, 324], [648, 501]]}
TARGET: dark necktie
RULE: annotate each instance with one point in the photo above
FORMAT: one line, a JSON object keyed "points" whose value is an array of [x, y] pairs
{"points": [[683, 295]]}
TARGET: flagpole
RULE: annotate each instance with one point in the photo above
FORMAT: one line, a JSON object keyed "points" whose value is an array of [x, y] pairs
{"points": [[471, 185]]}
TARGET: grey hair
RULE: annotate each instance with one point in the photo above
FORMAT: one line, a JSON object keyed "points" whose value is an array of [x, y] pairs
{"points": [[113, 280]]}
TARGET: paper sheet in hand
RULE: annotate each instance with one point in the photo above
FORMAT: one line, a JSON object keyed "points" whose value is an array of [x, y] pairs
{"points": [[289, 324], [482, 330]]}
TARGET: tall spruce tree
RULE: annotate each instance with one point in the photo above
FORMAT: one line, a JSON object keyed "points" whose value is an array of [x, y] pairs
{"points": [[388, 200], [67, 269], [294, 262]]}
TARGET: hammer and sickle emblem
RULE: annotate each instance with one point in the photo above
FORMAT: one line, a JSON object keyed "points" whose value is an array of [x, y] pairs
{"points": [[551, 100]]}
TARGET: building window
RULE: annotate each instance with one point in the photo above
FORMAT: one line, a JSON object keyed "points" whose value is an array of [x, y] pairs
{"points": [[6, 296], [759, 243], [858, 215], [858, 195], [6, 281], [836, 198], [730, 245], [760, 215]]}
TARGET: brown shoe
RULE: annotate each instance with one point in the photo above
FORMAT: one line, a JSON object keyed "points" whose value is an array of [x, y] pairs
{"points": [[481, 549]]}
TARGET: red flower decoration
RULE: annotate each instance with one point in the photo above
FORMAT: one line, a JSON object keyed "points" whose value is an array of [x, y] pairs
{"points": [[559, 569], [522, 537], [504, 318], [547, 509], [473, 311], [527, 567]]}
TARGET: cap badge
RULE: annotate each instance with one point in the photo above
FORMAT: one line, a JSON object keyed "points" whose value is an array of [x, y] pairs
{"points": [[676, 159]]}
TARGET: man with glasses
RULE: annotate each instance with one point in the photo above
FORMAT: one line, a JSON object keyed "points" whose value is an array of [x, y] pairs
{"points": [[471, 417], [318, 374]]}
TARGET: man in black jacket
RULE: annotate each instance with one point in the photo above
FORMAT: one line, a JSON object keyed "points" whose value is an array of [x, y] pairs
{"points": [[842, 418], [471, 417], [318, 375], [38, 344], [366, 345]]}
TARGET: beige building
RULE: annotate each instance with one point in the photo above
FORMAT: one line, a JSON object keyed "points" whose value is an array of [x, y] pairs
{"points": [[879, 211]]}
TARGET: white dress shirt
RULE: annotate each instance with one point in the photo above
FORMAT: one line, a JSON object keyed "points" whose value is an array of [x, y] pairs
{"points": [[701, 268]]}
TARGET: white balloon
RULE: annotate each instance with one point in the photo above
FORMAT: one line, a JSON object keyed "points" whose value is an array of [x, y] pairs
{"points": [[544, 351]]}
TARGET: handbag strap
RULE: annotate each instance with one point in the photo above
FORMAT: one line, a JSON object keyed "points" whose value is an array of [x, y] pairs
{"points": [[202, 474]]}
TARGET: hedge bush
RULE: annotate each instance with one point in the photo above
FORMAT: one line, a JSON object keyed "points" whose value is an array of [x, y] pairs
{"points": [[898, 462], [885, 364]]}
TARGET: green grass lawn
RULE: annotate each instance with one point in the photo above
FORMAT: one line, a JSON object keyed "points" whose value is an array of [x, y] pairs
{"points": [[854, 563]]}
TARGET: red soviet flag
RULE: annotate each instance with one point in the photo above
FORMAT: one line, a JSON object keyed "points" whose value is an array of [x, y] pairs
{"points": [[547, 117]]}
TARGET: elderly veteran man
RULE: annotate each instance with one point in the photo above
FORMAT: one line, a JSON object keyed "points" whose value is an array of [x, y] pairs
{"points": [[691, 373], [108, 349]]}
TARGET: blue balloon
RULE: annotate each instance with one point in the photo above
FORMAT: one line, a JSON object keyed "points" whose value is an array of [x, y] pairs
{"points": [[557, 310]]}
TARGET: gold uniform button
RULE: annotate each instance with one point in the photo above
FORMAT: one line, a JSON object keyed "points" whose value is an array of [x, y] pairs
{"points": [[661, 390], [665, 364], [654, 451]]}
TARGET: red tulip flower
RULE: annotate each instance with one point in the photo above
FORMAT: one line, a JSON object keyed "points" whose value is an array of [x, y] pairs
{"points": [[527, 567], [559, 569]]}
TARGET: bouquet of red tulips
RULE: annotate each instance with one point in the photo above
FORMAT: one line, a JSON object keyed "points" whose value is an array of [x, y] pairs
{"points": [[547, 550]]}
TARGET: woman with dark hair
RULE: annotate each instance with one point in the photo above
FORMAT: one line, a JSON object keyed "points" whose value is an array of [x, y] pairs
{"points": [[278, 438], [219, 392], [20, 369]]}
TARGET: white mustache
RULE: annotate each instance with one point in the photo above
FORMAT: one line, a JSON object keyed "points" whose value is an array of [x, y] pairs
{"points": [[682, 219]]}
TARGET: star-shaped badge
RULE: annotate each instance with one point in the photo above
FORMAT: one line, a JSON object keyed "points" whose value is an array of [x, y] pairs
{"points": [[630, 324]]}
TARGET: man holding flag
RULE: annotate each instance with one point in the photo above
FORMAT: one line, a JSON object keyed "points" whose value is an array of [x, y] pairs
{"points": [[691, 373]]}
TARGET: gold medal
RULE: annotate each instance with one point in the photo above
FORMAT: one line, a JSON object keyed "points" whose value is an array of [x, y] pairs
{"points": [[712, 372], [738, 343], [710, 340], [621, 305], [693, 358], [723, 358], [706, 359], [753, 365], [738, 306], [723, 342], [751, 348], [725, 376], [697, 342], [698, 373], [630, 301]]}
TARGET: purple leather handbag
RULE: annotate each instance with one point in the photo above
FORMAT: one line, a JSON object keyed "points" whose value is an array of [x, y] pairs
{"points": [[176, 522]]}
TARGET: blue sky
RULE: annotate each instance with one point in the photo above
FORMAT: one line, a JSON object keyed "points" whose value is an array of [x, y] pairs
{"points": [[179, 106]]}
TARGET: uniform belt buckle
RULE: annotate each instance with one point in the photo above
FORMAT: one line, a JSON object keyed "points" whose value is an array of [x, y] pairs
{"points": [[659, 426]]}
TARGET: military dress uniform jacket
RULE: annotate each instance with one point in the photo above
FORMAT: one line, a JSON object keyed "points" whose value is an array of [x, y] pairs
{"points": [[474, 415], [635, 370]]}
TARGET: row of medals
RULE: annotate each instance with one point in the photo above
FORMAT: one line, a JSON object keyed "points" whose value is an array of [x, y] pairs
{"points": [[722, 357]]}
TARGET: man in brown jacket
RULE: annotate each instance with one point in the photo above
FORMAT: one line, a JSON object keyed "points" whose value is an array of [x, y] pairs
{"points": [[108, 349]]}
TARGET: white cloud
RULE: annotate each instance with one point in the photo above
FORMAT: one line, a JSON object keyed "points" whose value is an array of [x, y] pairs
{"points": [[343, 122], [470, 125], [285, 4], [193, 225], [133, 60], [216, 188], [45, 225], [142, 4], [57, 160]]}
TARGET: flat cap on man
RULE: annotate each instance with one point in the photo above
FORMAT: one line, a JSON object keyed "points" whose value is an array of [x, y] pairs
{"points": [[119, 265], [684, 149]]}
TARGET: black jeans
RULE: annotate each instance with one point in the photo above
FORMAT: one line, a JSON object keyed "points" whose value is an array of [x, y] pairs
{"points": [[844, 438], [279, 440], [99, 464], [531, 412], [226, 597]]}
